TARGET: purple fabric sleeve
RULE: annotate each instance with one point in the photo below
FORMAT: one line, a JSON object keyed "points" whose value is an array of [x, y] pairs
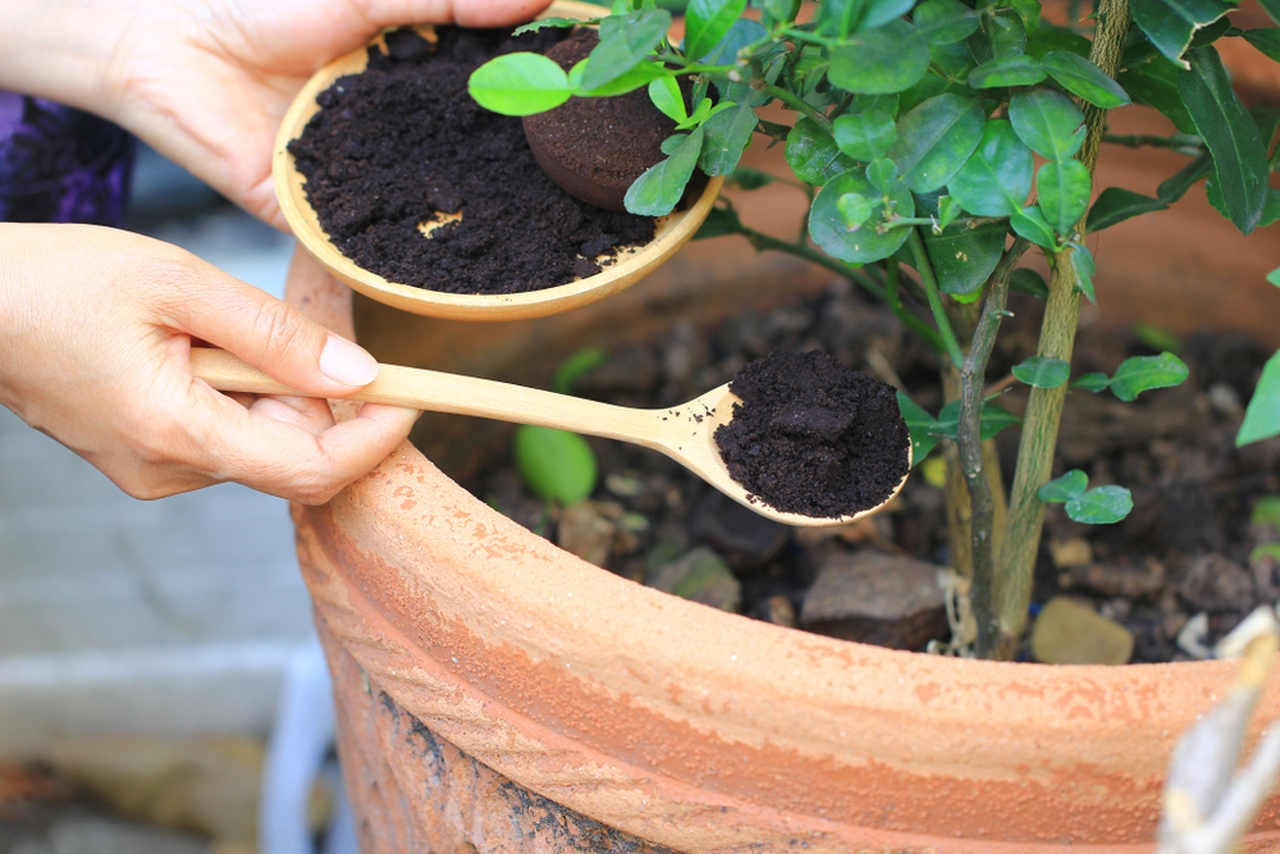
{"points": [[58, 164]]}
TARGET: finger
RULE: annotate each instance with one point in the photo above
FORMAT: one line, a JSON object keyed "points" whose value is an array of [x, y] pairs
{"points": [[467, 13], [266, 332], [277, 452], [307, 413]]}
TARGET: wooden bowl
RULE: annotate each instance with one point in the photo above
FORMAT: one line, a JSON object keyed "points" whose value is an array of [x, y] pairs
{"points": [[630, 266]]}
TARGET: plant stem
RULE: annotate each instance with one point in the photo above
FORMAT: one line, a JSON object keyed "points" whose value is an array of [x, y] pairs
{"points": [[973, 462], [795, 102], [1012, 586], [930, 284], [1178, 142]]}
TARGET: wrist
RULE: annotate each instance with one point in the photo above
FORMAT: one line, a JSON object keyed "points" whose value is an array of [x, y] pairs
{"points": [[61, 50]]}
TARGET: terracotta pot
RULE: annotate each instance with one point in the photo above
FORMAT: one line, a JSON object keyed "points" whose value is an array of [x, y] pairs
{"points": [[497, 694]]}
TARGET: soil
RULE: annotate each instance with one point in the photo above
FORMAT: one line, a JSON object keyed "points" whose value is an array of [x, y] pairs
{"points": [[402, 145], [596, 147], [812, 437], [1188, 549]]}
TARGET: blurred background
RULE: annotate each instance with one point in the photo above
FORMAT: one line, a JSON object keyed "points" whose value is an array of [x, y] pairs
{"points": [[146, 648]]}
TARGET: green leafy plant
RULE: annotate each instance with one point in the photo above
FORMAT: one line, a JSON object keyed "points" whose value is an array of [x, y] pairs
{"points": [[557, 465], [938, 143]]}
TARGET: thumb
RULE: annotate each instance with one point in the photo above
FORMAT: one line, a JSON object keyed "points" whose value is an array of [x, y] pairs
{"points": [[271, 335]]}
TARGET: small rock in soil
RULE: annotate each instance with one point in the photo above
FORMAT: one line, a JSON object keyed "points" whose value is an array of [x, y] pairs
{"points": [[1072, 552], [1116, 580], [700, 575], [587, 532], [1214, 582], [779, 611], [1264, 563], [877, 598], [1068, 631], [746, 539]]}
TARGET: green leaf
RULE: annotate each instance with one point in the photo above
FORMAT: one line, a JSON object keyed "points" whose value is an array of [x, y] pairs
{"points": [[1016, 70], [556, 465], [865, 243], [1152, 80], [920, 426], [878, 62], [1064, 487], [706, 22], [948, 210], [883, 175], [935, 139], [1176, 186], [1094, 381], [1085, 269], [1266, 40], [990, 423], [1062, 187], [659, 188], [579, 364], [750, 179], [855, 209], [865, 135], [1048, 37], [812, 154], [543, 23], [633, 78], [1103, 505], [519, 84], [666, 96], [1031, 224], [1155, 338], [1042, 371], [963, 258], [945, 21], [1274, 277], [1230, 134], [1270, 210], [743, 32], [719, 222], [1048, 122], [839, 17], [1170, 24], [1143, 373], [1006, 34], [1030, 282], [625, 40], [877, 13], [1116, 204], [996, 178], [728, 133], [1083, 79], [1262, 416], [1273, 9]]}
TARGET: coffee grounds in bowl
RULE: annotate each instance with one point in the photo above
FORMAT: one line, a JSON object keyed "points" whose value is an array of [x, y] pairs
{"points": [[403, 144], [813, 437]]}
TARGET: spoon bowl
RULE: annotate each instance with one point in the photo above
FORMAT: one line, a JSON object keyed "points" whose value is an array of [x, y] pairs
{"points": [[629, 265], [685, 433]]}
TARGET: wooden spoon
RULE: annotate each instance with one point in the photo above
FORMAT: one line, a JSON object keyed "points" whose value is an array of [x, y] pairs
{"points": [[685, 432], [670, 232]]}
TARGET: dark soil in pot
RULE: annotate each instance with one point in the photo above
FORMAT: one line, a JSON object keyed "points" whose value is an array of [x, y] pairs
{"points": [[1192, 545], [401, 148]]}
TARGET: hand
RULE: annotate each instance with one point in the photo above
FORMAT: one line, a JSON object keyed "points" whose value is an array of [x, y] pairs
{"points": [[96, 327], [207, 83]]}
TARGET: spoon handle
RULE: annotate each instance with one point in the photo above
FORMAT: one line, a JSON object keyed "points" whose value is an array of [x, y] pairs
{"points": [[435, 391]]}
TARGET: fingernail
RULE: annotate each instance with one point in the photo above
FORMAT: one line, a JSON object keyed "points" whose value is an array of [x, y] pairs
{"points": [[345, 362]]}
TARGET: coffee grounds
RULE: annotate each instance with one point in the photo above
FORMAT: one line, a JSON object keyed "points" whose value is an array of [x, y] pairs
{"points": [[403, 144], [813, 437], [596, 147]]}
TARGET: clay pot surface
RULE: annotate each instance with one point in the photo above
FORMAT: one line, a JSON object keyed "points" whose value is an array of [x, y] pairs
{"points": [[497, 694], [500, 693]]}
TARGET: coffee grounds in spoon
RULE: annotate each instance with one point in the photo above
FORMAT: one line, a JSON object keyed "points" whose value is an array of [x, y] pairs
{"points": [[403, 143], [813, 437]]}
